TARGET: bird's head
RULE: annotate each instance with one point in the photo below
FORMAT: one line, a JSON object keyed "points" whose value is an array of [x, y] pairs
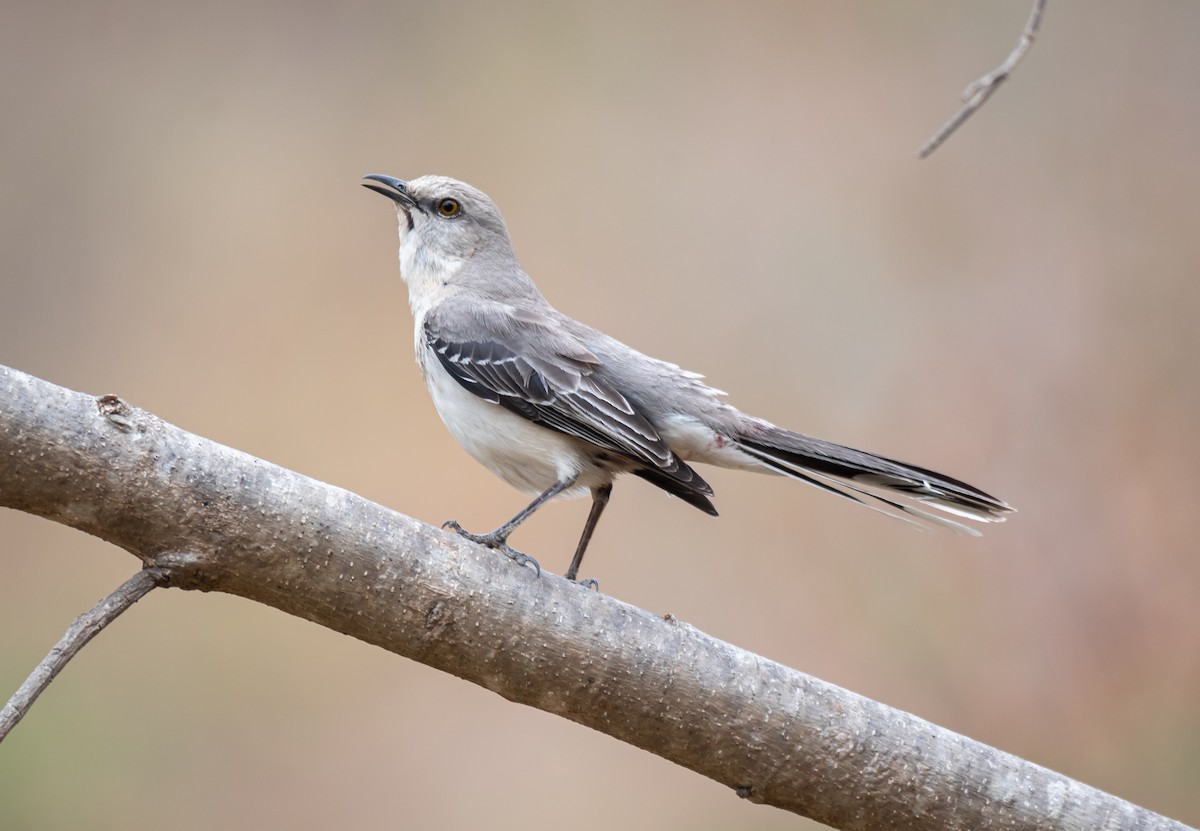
{"points": [[444, 220]]}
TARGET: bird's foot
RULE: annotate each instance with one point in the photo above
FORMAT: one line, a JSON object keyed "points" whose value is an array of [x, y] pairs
{"points": [[590, 583], [492, 540], [496, 541]]}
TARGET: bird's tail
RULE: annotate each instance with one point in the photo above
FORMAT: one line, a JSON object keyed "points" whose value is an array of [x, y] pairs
{"points": [[860, 476]]}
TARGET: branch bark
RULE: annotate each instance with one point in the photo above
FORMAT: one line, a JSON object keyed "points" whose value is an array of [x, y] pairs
{"points": [[212, 518]]}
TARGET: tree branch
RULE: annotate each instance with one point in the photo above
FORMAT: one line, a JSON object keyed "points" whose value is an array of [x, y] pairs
{"points": [[981, 89], [256, 530], [82, 629]]}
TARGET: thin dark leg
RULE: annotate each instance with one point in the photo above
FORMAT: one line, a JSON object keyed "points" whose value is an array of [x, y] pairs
{"points": [[599, 500], [499, 537]]}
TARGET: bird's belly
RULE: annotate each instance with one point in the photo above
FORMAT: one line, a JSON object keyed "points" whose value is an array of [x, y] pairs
{"points": [[527, 456]]}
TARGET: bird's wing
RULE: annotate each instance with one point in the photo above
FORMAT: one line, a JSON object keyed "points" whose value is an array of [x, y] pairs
{"points": [[549, 378]]}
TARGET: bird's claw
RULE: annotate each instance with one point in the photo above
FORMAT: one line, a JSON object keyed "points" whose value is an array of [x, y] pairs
{"points": [[497, 542], [521, 559], [590, 583]]}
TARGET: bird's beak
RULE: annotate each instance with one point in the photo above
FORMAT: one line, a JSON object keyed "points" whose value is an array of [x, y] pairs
{"points": [[395, 189]]}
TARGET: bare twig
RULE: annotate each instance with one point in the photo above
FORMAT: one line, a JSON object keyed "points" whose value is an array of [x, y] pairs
{"points": [[771, 734], [83, 629], [981, 89]]}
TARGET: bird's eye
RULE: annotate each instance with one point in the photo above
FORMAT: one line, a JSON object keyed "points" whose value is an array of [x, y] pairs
{"points": [[449, 207]]}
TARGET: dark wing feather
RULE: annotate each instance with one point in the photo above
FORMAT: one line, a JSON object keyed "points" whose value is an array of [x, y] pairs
{"points": [[561, 390]]}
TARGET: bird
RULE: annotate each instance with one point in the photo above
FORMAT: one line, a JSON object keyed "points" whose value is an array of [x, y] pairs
{"points": [[557, 408]]}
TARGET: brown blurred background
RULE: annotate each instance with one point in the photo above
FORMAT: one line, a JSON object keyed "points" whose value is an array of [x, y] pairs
{"points": [[181, 224]]}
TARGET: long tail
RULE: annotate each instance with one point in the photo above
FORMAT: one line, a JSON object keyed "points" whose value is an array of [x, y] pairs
{"points": [[859, 476]]}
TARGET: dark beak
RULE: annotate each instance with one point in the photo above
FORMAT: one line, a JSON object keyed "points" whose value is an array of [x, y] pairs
{"points": [[395, 189]]}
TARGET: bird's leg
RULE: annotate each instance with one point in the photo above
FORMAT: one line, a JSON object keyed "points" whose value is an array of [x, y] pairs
{"points": [[498, 539], [599, 500]]}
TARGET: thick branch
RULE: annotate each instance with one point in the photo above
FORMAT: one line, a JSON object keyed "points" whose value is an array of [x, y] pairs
{"points": [[253, 529], [981, 89], [79, 633]]}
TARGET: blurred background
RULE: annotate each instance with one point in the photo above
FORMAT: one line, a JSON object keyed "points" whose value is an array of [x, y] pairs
{"points": [[181, 223]]}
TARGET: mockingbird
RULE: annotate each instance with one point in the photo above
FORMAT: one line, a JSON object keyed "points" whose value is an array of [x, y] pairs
{"points": [[557, 408]]}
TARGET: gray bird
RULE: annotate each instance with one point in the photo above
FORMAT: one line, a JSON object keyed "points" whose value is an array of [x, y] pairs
{"points": [[557, 408]]}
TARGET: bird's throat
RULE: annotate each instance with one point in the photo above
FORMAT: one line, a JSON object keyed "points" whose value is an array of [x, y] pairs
{"points": [[428, 274]]}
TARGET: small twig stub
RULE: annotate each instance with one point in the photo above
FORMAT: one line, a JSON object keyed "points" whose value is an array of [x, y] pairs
{"points": [[981, 89]]}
